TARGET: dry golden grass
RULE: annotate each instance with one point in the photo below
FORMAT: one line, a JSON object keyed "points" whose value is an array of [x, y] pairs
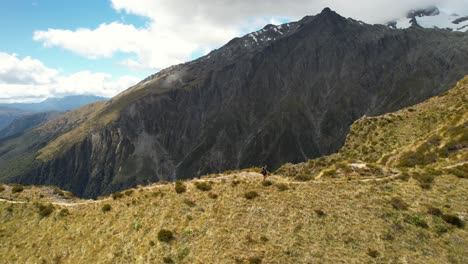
{"points": [[277, 226]]}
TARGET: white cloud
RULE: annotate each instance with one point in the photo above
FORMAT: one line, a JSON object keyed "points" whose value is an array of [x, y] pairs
{"points": [[29, 80], [178, 28], [27, 70]]}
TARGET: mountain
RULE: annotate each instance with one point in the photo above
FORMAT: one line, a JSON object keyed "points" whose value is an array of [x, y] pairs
{"points": [[57, 104], [7, 115], [356, 206], [282, 94], [27, 121], [432, 17]]}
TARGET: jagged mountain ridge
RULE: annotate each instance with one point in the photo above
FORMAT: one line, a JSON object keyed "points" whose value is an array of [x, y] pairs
{"points": [[251, 102]]}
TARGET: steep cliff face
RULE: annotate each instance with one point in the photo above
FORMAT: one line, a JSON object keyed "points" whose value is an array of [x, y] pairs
{"points": [[282, 94]]}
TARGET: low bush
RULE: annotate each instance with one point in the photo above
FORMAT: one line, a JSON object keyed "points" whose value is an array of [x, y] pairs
{"points": [[64, 212], [151, 243], [45, 210], [459, 171], [373, 253], [425, 179], [320, 213], [251, 195], [168, 260], [398, 203], [118, 195], [267, 183], [180, 187], [213, 195], [254, 260], [129, 192], [17, 188], [282, 187], [203, 186], [418, 221], [329, 172], [303, 177], [2, 188], [434, 211], [234, 183], [165, 235], [106, 208], [189, 202], [453, 220], [57, 191]]}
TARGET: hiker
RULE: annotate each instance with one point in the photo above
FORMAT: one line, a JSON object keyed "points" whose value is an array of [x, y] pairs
{"points": [[264, 172]]}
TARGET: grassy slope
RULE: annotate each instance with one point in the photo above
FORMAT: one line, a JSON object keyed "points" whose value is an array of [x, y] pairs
{"points": [[354, 190]]}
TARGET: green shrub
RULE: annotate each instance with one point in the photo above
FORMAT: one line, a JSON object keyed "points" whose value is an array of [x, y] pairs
{"points": [[2, 188], [282, 187], [64, 212], [398, 203], [45, 210], [151, 243], [303, 177], [129, 192], [165, 235], [267, 183], [213, 195], [254, 260], [203, 186], [106, 208], [453, 220], [418, 221], [17, 188], [180, 187], [189, 202], [434, 211], [251, 195], [118, 195]]}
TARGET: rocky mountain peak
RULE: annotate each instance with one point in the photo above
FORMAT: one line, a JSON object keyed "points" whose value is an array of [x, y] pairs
{"points": [[422, 12]]}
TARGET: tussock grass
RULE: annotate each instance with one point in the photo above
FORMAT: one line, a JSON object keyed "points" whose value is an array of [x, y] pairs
{"points": [[286, 227]]}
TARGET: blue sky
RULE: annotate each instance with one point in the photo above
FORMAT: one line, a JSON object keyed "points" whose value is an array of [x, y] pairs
{"points": [[27, 16], [54, 48]]}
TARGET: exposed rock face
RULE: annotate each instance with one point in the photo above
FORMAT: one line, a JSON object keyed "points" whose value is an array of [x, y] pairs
{"points": [[428, 11], [282, 94]]}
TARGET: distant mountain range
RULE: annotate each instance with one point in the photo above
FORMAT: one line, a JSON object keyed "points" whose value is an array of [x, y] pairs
{"points": [[7, 115], [57, 104], [17, 117]]}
